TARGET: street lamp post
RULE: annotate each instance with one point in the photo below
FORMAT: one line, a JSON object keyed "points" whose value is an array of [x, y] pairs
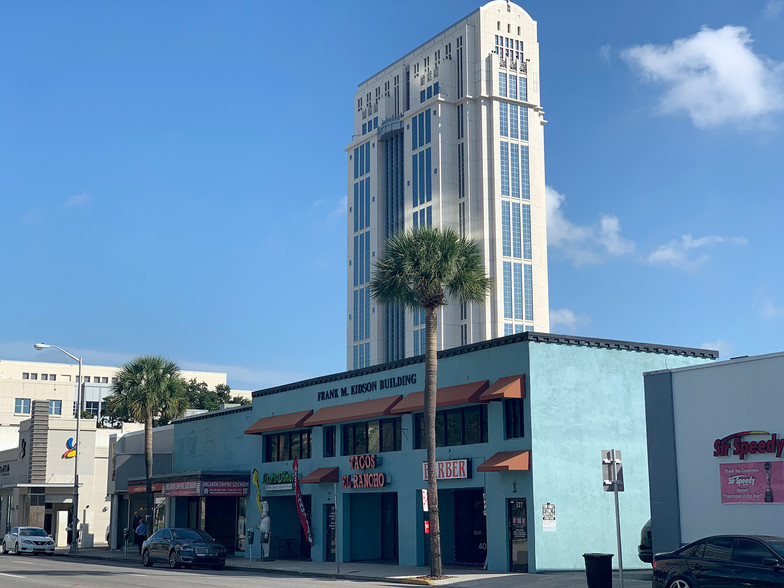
{"points": [[74, 550]]}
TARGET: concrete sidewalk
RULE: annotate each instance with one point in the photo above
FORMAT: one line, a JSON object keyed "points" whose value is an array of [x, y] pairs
{"points": [[388, 572]]}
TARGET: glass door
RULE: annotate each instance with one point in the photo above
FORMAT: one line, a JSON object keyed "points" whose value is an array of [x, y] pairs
{"points": [[518, 535]]}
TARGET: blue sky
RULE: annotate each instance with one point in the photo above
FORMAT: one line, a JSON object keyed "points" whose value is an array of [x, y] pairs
{"points": [[153, 198]]}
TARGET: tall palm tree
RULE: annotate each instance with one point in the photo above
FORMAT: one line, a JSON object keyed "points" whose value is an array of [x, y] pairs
{"points": [[147, 389], [421, 269]]}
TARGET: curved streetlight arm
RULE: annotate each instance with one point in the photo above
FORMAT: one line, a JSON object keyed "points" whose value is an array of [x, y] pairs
{"points": [[39, 346]]}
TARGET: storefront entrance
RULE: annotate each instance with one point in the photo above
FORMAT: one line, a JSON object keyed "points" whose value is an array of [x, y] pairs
{"points": [[518, 534], [373, 529], [288, 540], [470, 527]]}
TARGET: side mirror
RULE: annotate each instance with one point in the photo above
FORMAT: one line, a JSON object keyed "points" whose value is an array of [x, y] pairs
{"points": [[771, 562]]}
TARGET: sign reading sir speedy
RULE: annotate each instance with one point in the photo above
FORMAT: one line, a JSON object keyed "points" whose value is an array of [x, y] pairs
{"points": [[735, 443]]}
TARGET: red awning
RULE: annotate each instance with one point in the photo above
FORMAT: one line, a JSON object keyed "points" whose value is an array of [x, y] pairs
{"points": [[354, 411], [449, 396], [281, 422], [321, 475], [506, 461], [508, 387]]}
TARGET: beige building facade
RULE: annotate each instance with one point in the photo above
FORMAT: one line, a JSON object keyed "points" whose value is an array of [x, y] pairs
{"points": [[451, 136]]}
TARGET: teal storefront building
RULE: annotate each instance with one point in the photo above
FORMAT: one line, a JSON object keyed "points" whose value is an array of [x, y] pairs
{"points": [[522, 423]]}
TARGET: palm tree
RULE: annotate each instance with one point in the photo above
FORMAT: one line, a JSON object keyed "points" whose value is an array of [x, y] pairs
{"points": [[148, 389], [420, 269]]}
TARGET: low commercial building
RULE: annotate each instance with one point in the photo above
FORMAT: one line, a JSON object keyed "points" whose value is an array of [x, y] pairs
{"points": [[522, 422], [716, 450]]}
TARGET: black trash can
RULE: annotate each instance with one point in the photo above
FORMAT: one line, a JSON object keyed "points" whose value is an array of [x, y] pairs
{"points": [[598, 569]]}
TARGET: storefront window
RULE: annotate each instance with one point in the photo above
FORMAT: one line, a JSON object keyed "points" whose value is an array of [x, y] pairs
{"points": [[287, 446], [513, 415], [456, 426], [374, 436]]}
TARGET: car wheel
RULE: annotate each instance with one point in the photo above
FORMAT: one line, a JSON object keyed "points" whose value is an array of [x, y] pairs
{"points": [[146, 559], [5, 551], [679, 583], [173, 559], [16, 550]]}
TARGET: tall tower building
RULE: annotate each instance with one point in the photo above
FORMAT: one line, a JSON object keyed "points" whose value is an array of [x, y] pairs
{"points": [[451, 135]]}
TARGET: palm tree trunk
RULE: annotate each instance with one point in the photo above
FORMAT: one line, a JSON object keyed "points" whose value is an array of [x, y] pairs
{"points": [[431, 389], [148, 466]]}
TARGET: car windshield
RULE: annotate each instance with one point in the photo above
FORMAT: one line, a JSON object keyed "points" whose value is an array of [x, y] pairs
{"points": [[32, 533], [191, 534], [777, 545]]}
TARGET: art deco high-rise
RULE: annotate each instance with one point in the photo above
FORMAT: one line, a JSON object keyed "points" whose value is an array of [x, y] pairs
{"points": [[451, 135]]}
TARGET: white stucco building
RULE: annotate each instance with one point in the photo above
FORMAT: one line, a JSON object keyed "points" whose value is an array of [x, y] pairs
{"points": [[451, 136]]}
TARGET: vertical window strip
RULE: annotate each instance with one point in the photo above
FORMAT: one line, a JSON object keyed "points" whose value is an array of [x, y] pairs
{"points": [[513, 87], [461, 170], [421, 120], [502, 84], [367, 314], [516, 230], [356, 261], [367, 157], [459, 121], [415, 314], [356, 357], [361, 355], [504, 168], [515, 161], [461, 218], [507, 329], [429, 216], [518, 290], [356, 162], [361, 314], [523, 123], [513, 109], [361, 160], [356, 206], [367, 256], [367, 354], [422, 178], [414, 138], [416, 219], [503, 117], [356, 319], [526, 231], [367, 202], [523, 89], [525, 186], [422, 218], [415, 179], [427, 126], [362, 258], [507, 289], [361, 205], [529, 292], [505, 232], [416, 341], [428, 176], [518, 329]]}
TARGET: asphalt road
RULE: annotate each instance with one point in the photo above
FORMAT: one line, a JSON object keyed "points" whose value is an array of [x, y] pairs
{"points": [[61, 572]]}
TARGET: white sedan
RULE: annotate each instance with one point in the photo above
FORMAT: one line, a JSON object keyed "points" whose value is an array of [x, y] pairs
{"points": [[28, 540]]}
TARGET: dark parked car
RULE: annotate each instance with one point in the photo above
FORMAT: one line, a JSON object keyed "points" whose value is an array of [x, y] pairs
{"points": [[645, 548], [723, 560], [183, 547]]}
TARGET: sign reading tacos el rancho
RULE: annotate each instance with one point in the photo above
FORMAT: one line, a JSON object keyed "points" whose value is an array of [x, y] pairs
{"points": [[365, 387], [735, 444]]}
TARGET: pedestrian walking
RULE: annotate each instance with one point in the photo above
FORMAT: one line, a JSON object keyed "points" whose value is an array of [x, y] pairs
{"points": [[140, 535]]}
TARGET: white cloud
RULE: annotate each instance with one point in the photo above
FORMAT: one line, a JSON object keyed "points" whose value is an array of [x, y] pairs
{"points": [[765, 306], [773, 9], [714, 76], [688, 253], [563, 317], [605, 52], [724, 348], [339, 208], [77, 200], [583, 245]]}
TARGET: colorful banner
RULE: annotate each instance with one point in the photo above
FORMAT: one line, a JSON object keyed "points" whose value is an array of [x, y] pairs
{"points": [[303, 519], [752, 482]]}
